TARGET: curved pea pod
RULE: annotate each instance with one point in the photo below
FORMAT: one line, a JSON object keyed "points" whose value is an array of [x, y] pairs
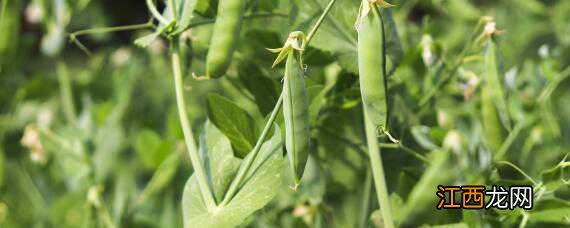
{"points": [[372, 64], [225, 37], [296, 115]]}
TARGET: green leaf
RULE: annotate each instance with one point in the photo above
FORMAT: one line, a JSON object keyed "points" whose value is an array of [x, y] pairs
{"points": [[65, 147], [69, 210], [206, 7], [108, 142], [394, 48], [317, 100], [220, 163], [234, 122], [161, 177], [261, 183], [557, 215], [151, 148], [146, 40], [125, 187], [265, 90], [341, 148], [336, 34]]}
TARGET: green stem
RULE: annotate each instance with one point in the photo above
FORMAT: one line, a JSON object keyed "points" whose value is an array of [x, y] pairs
{"points": [[236, 183], [173, 9], [378, 172], [152, 8], [73, 36], [511, 138], [66, 94], [80, 45], [414, 153], [524, 219], [359, 146], [552, 85], [112, 29], [199, 171], [519, 170], [365, 204]]}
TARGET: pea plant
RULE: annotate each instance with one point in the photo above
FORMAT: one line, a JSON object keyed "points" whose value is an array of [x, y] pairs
{"points": [[281, 113]]}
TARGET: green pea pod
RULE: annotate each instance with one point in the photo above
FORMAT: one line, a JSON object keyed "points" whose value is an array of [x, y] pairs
{"points": [[492, 103], [372, 66], [225, 37], [493, 68], [9, 35], [296, 115]]}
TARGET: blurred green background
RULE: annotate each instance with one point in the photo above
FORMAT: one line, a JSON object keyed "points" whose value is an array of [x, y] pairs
{"points": [[89, 141]]}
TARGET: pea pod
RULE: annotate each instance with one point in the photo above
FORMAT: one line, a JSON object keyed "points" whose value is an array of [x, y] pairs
{"points": [[493, 67], [224, 37], [296, 115], [492, 103], [372, 71], [372, 64], [9, 37]]}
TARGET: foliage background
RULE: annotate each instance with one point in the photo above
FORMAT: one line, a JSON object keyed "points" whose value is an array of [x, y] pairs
{"points": [[121, 160]]}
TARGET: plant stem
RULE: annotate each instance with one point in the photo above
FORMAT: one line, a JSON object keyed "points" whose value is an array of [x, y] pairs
{"points": [[365, 204], [80, 45], [234, 186], [199, 171], [73, 36], [378, 172], [152, 8], [173, 9], [552, 85], [66, 94], [318, 24], [112, 29], [511, 138], [520, 171], [415, 154]]}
